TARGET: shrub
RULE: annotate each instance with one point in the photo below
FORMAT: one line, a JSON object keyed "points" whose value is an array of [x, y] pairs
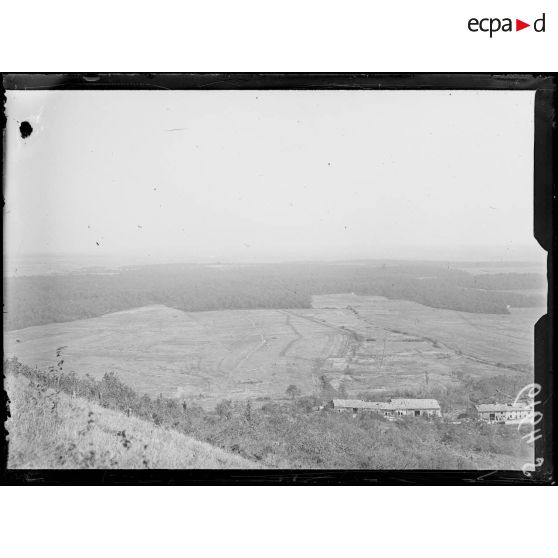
{"points": [[293, 391], [224, 409]]}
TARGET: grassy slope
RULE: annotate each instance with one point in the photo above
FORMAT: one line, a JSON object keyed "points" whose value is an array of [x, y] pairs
{"points": [[52, 430]]}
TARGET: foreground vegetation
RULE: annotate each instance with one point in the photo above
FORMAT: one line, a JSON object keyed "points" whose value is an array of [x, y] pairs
{"points": [[50, 430], [38, 300], [289, 434]]}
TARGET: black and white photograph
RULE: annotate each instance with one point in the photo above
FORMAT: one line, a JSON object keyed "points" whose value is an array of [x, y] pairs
{"points": [[260, 278]]}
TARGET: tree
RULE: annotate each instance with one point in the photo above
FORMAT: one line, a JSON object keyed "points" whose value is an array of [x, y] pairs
{"points": [[292, 391], [224, 409], [248, 411]]}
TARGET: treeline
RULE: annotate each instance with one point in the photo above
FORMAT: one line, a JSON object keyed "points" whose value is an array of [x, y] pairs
{"points": [[504, 281], [294, 435], [37, 300]]}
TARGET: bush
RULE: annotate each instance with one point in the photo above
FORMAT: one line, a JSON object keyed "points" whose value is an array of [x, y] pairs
{"points": [[306, 404], [293, 391], [224, 409]]}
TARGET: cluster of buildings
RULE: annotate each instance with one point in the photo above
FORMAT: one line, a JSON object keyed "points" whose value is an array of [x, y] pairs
{"points": [[398, 408]]}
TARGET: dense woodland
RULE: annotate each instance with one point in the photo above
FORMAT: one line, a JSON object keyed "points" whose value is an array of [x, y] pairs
{"points": [[504, 281], [37, 300]]}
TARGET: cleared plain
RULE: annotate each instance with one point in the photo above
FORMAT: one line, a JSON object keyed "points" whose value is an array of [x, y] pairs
{"points": [[359, 343]]}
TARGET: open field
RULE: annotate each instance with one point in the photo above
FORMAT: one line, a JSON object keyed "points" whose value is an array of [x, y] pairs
{"points": [[364, 343]]}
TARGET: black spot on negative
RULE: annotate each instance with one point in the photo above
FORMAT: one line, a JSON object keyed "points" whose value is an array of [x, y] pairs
{"points": [[25, 129]]}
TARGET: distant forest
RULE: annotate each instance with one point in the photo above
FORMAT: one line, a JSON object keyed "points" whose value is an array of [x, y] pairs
{"points": [[37, 300]]}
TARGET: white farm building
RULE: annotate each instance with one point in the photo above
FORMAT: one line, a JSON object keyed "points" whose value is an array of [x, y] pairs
{"points": [[504, 413], [390, 409]]}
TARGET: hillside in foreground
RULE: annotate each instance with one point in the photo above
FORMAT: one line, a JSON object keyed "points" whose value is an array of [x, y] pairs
{"points": [[51, 430], [62, 420]]}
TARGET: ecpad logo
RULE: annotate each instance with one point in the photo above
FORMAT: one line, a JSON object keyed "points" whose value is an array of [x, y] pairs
{"points": [[492, 25]]}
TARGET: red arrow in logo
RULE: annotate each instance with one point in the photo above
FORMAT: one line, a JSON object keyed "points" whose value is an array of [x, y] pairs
{"points": [[519, 25]]}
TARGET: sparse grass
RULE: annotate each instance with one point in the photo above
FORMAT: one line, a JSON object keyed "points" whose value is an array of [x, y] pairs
{"points": [[49, 429]]}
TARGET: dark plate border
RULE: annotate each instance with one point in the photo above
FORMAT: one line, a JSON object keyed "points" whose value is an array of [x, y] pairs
{"points": [[545, 157]]}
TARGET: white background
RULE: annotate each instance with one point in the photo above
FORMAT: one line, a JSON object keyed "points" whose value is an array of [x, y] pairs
{"points": [[237, 521], [259, 35]]}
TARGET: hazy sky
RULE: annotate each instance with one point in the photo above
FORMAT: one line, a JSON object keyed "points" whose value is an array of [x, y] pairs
{"points": [[271, 174]]}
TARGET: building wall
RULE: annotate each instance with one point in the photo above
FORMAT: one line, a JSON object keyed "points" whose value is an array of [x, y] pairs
{"points": [[504, 415], [411, 412], [427, 412], [390, 413]]}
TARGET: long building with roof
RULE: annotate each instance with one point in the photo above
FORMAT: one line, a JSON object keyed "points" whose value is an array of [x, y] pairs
{"points": [[504, 412], [391, 409]]}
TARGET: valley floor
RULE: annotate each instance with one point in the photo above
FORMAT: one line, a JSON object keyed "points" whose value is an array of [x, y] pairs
{"points": [[363, 343]]}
